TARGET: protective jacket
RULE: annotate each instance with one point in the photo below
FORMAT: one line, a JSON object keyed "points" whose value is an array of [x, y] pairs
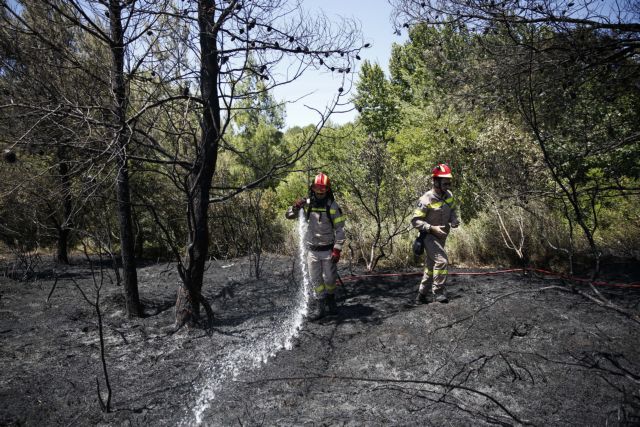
{"points": [[435, 210], [325, 228]]}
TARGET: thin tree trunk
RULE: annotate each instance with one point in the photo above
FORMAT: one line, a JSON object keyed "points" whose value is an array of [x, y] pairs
{"points": [[62, 255], [122, 188], [201, 175]]}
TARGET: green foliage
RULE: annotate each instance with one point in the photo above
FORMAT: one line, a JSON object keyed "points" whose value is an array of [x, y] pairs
{"points": [[620, 223], [46, 83], [503, 163], [254, 156], [374, 100], [574, 139], [433, 65], [257, 142], [17, 209], [375, 193], [545, 139], [290, 189], [585, 119], [255, 105], [484, 241], [246, 225]]}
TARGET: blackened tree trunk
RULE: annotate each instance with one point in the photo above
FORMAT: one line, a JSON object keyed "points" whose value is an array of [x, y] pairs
{"points": [[62, 255], [127, 238], [201, 174]]}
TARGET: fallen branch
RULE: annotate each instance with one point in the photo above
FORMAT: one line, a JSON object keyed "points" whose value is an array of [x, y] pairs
{"points": [[444, 385], [601, 301]]}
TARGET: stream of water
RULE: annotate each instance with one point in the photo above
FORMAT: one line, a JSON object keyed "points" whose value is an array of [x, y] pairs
{"points": [[258, 351]]}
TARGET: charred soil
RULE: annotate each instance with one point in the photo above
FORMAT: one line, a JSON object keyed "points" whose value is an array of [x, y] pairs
{"points": [[507, 349]]}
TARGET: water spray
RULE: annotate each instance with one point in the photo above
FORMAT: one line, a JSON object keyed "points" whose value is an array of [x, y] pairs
{"points": [[259, 348]]}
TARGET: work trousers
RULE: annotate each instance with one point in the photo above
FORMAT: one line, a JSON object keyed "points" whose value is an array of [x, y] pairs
{"points": [[322, 272], [436, 263]]}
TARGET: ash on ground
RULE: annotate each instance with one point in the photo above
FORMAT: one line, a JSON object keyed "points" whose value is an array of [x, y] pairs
{"points": [[507, 349]]}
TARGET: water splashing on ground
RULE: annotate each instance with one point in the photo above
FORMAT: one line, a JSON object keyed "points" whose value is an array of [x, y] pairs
{"points": [[260, 347]]}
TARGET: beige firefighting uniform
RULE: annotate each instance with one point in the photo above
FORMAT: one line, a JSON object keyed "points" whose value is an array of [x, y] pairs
{"points": [[320, 239], [441, 211]]}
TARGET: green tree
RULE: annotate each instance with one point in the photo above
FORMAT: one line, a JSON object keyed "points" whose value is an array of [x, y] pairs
{"points": [[368, 174], [107, 114], [583, 114], [375, 101], [42, 82], [434, 67], [564, 73], [254, 151], [257, 143]]}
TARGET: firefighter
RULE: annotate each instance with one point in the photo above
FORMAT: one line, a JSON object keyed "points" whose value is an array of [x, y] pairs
{"points": [[324, 240], [434, 217]]}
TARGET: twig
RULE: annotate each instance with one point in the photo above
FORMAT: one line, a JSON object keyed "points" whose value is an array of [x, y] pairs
{"points": [[53, 288]]}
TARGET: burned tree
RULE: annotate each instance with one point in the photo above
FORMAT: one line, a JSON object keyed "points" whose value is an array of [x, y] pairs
{"points": [[168, 78], [93, 126], [238, 40]]}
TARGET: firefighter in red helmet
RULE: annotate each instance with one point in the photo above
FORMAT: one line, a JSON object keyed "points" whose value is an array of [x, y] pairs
{"points": [[324, 240], [434, 217]]}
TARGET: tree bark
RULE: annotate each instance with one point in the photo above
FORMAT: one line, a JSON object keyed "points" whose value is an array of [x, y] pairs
{"points": [[201, 174], [62, 253], [127, 238]]}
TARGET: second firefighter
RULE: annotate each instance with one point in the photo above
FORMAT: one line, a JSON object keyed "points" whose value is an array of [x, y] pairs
{"points": [[434, 216]]}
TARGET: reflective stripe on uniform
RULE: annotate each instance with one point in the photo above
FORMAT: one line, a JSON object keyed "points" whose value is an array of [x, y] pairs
{"points": [[337, 219], [428, 272], [341, 218], [440, 272], [436, 205], [319, 289], [419, 213], [330, 288], [451, 201]]}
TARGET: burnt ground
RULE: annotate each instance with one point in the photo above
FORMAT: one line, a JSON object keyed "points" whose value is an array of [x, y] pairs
{"points": [[506, 350]]}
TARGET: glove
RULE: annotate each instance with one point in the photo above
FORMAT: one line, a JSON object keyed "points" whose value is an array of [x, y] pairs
{"points": [[455, 224], [438, 231], [335, 255], [299, 203]]}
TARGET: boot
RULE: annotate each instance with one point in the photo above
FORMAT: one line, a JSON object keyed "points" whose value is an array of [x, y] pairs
{"points": [[331, 305], [421, 298], [441, 296], [319, 311]]}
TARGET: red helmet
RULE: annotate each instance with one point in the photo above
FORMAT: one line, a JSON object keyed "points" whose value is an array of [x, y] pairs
{"points": [[441, 171], [321, 181]]}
